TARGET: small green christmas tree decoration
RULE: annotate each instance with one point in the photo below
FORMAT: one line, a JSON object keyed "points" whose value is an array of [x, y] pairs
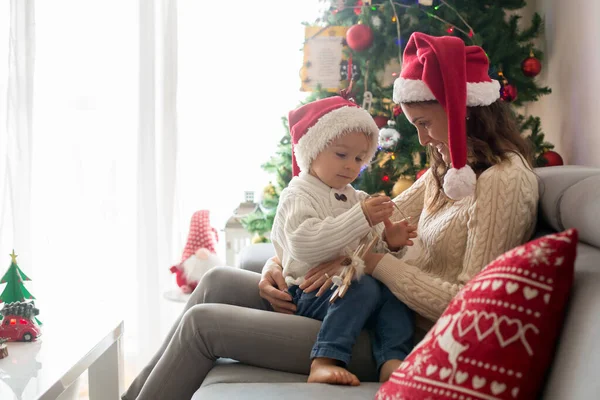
{"points": [[15, 288]]}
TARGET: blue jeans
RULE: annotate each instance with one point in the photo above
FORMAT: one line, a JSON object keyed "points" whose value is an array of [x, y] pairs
{"points": [[367, 304]]}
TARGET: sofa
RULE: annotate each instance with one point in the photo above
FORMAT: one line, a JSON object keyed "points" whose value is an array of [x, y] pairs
{"points": [[569, 198]]}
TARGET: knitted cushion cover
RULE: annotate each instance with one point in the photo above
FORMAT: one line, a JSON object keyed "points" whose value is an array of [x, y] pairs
{"points": [[497, 336]]}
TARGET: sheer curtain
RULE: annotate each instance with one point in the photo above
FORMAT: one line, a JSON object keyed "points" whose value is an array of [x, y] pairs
{"points": [[139, 113]]}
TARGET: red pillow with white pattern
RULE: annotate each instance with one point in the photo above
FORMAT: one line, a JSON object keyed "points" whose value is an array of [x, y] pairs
{"points": [[496, 338]]}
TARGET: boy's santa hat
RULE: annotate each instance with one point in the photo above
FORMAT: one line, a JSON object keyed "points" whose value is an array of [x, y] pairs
{"points": [[315, 125], [444, 69]]}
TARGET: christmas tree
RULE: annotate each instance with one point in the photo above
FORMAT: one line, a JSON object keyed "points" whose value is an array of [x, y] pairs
{"points": [[375, 36], [280, 165], [15, 289]]}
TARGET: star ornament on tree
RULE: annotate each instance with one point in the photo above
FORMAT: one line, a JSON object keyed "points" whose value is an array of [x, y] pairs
{"points": [[13, 257]]}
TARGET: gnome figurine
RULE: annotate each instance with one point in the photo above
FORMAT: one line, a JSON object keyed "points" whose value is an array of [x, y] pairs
{"points": [[199, 254]]}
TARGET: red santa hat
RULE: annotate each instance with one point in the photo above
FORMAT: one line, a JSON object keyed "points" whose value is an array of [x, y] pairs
{"points": [[315, 125], [444, 69]]}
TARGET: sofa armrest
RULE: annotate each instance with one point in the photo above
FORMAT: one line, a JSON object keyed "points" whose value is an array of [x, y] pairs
{"points": [[254, 257]]}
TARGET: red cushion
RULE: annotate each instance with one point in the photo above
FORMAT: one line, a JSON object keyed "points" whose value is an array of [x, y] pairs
{"points": [[496, 338]]}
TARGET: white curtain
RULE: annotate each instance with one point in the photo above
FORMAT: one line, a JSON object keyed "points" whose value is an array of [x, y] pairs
{"points": [[134, 115]]}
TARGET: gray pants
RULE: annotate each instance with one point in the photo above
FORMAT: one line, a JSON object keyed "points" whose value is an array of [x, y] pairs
{"points": [[225, 317]]}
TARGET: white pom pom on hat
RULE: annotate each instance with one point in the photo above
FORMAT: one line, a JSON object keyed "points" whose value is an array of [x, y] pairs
{"points": [[444, 69]]}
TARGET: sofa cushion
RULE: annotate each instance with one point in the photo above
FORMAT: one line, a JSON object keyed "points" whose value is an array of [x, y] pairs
{"points": [[287, 391], [253, 257], [574, 371], [580, 209], [496, 338], [233, 380], [568, 196]]}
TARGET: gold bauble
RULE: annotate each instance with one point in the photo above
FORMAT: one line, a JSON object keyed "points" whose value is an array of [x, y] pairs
{"points": [[259, 239], [401, 185], [269, 190]]}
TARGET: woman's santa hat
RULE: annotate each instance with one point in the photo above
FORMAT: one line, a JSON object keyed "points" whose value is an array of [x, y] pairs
{"points": [[444, 69], [315, 125]]}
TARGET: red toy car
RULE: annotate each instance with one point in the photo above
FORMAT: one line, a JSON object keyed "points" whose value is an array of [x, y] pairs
{"points": [[18, 328], [19, 322]]}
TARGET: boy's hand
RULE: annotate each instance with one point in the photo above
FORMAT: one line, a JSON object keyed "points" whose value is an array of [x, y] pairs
{"points": [[398, 234], [377, 209]]}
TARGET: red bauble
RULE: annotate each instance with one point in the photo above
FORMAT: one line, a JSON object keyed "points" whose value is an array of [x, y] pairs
{"points": [[531, 66], [421, 172], [552, 158], [359, 37], [381, 121], [508, 92]]}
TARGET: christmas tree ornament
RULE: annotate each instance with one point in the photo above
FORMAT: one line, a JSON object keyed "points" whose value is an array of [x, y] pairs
{"points": [[508, 92], [359, 37], [552, 158], [401, 185], [358, 7], [376, 21], [380, 120], [367, 101], [531, 66], [422, 172], [269, 190], [397, 110], [383, 158], [199, 254], [349, 71], [257, 238], [388, 136]]}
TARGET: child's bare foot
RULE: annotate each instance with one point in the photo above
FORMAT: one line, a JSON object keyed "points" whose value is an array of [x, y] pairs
{"points": [[387, 369], [326, 370]]}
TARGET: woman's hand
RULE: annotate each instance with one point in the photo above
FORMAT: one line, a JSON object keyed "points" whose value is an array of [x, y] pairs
{"points": [[371, 261], [316, 278], [272, 288]]}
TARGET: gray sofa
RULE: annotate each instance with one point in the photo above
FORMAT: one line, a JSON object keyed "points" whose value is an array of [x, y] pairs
{"points": [[570, 198]]}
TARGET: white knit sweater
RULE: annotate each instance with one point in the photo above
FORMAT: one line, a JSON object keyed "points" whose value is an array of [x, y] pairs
{"points": [[457, 241], [312, 226]]}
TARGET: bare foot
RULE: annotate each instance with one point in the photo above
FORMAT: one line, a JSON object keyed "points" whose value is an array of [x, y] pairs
{"points": [[388, 368], [326, 370]]}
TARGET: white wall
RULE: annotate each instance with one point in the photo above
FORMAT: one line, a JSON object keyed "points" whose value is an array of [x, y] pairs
{"points": [[571, 68]]}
